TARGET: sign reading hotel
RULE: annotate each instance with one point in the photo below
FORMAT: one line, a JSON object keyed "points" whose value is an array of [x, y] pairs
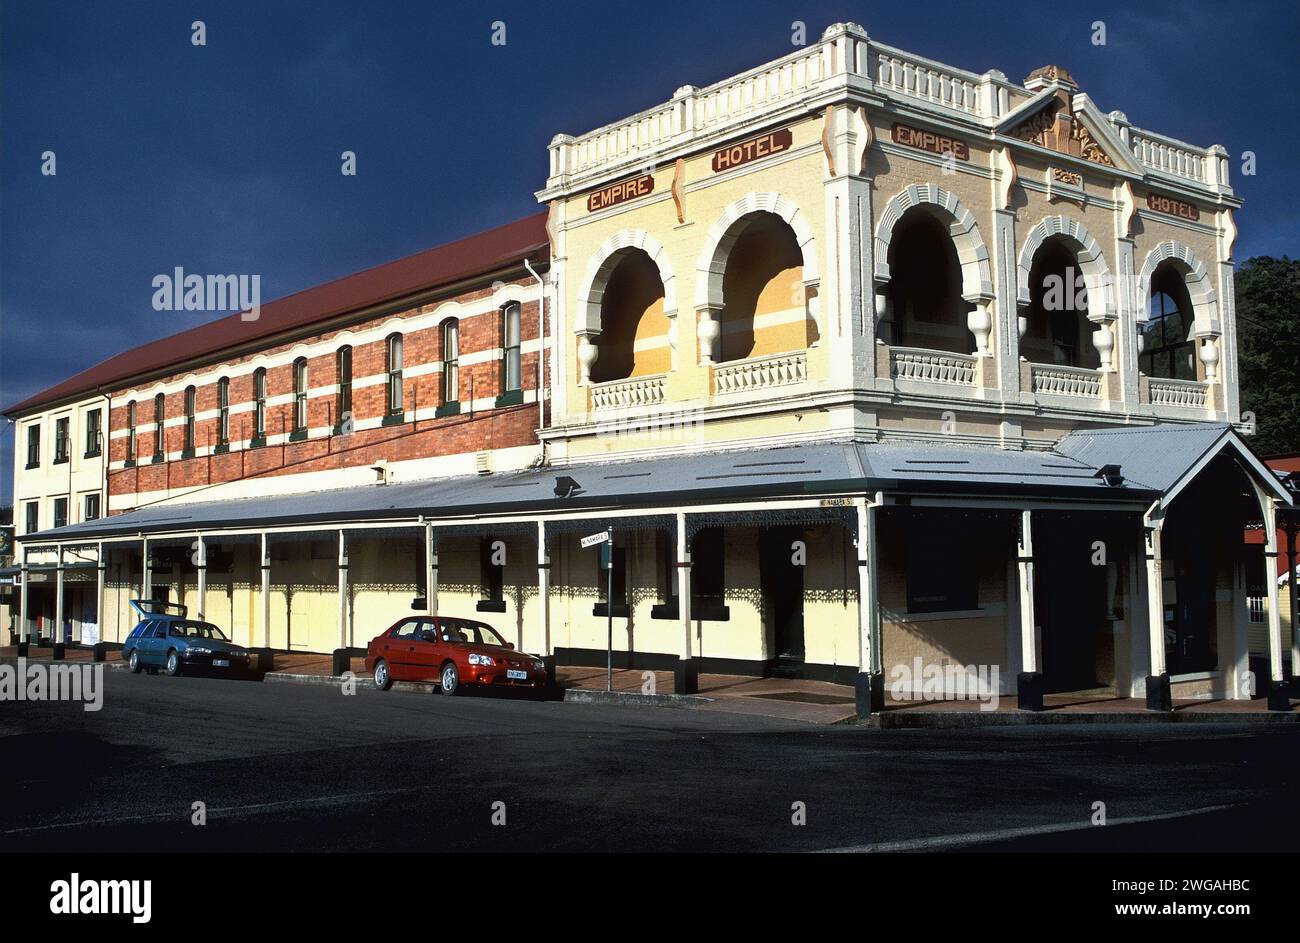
{"points": [[754, 149], [616, 193], [1163, 204], [929, 141]]}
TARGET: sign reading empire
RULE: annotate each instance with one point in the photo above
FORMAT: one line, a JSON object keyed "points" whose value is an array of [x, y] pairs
{"points": [[618, 192], [736, 154], [929, 141]]}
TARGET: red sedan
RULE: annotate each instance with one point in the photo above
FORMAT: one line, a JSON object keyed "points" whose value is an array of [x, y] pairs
{"points": [[452, 652]]}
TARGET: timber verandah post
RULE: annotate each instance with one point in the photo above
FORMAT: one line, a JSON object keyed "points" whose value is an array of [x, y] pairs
{"points": [[56, 637], [869, 689], [24, 625], [1029, 684], [686, 675], [342, 660]]}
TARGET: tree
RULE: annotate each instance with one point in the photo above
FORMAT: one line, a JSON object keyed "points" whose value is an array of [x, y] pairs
{"points": [[1268, 327]]}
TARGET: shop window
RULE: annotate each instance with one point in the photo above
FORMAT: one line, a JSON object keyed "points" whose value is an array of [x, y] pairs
{"points": [[1168, 344], [61, 440], [492, 558], [619, 580], [93, 436], [941, 560], [708, 575]]}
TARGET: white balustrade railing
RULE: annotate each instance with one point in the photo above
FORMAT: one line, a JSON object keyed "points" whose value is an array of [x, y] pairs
{"points": [[1192, 394], [627, 394], [810, 71], [1066, 381], [760, 373], [897, 72], [1169, 156], [931, 366]]}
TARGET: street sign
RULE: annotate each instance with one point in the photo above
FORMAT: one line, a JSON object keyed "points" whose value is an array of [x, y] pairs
{"points": [[595, 539]]}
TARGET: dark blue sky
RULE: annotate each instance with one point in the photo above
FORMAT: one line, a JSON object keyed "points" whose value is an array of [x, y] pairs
{"points": [[225, 158]]}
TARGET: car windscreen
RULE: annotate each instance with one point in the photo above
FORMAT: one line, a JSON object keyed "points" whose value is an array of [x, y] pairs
{"points": [[473, 633], [197, 630]]}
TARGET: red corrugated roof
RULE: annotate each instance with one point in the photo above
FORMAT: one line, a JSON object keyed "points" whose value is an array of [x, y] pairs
{"points": [[443, 265]]}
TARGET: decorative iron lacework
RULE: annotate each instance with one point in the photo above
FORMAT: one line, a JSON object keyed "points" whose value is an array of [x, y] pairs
{"points": [[591, 525], [845, 516]]}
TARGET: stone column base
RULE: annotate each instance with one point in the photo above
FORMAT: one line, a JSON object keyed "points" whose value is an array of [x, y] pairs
{"points": [[686, 676], [869, 693], [23, 649], [265, 659], [342, 662], [549, 662], [1159, 697], [60, 651], [98, 651], [1279, 696], [1029, 691]]}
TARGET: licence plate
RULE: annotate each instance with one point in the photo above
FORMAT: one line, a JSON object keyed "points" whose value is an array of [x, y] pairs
{"points": [[515, 674], [220, 663]]}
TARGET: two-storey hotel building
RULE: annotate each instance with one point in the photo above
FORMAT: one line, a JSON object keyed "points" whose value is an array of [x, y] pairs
{"points": [[867, 362]]}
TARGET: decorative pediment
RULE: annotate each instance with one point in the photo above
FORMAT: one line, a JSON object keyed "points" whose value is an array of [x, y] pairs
{"points": [[1062, 119]]}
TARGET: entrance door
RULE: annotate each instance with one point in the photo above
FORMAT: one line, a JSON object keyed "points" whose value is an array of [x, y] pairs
{"points": [[782, 583], [1070, 602]]}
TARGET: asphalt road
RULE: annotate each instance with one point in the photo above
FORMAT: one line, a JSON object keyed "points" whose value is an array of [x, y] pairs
{"points": [[287, 767]]}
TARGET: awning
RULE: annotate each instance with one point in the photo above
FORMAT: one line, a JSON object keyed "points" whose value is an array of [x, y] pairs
{"points": [[786, 472]]}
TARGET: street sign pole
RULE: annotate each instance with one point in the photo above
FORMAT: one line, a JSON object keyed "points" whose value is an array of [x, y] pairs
{"points": [[605, 539], [609, 611]]}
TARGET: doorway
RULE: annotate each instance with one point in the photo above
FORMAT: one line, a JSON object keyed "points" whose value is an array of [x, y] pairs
{"points": [[1070, 599], [781, 578]]}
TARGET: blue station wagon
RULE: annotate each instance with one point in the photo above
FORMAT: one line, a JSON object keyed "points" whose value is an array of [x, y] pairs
{"points": [[166, 639]]}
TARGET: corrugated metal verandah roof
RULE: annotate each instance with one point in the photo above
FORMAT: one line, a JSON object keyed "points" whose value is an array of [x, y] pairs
{"points": [[784, 472]]}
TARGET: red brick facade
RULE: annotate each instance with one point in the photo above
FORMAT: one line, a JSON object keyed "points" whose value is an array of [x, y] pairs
{"points": [[398, 439]]}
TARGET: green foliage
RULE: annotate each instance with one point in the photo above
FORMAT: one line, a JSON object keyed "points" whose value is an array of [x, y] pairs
{"points": [[1268, 326]]}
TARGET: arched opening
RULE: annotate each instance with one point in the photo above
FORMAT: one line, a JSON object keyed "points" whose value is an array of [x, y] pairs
{"points": [[1168, 336], [925, 307], [634, 329], [1058, 331], [764, 309]]}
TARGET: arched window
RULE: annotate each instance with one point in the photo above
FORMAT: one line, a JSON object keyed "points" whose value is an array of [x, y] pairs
{"points": [[191, 405], [764, 309], [159, 413], [1168, 343], [1058, 331], [451, 362], [223, 411], [130, 431], [300, 395], [259, 406], [925, 307], [394, 370], [343, 398], [511, 360], [634, 330]]}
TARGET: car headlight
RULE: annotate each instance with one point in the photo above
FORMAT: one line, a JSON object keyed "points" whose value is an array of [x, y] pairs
{"points": [[198, 650], [539, 665], [476, 659]]}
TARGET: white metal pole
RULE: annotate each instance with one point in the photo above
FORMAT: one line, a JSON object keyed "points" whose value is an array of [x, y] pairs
{"points": [[430, 570], [266, 592], [201, 564], [56, 638], [544, 588]]}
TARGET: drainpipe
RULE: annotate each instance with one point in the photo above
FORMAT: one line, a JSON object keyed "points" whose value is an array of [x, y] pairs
{"points": [[544, 335]]}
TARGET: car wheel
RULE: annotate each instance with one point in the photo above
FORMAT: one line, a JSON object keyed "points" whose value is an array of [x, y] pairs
{"points": [[383, 680], [134, 662], [173, 664], [449, 679]]}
